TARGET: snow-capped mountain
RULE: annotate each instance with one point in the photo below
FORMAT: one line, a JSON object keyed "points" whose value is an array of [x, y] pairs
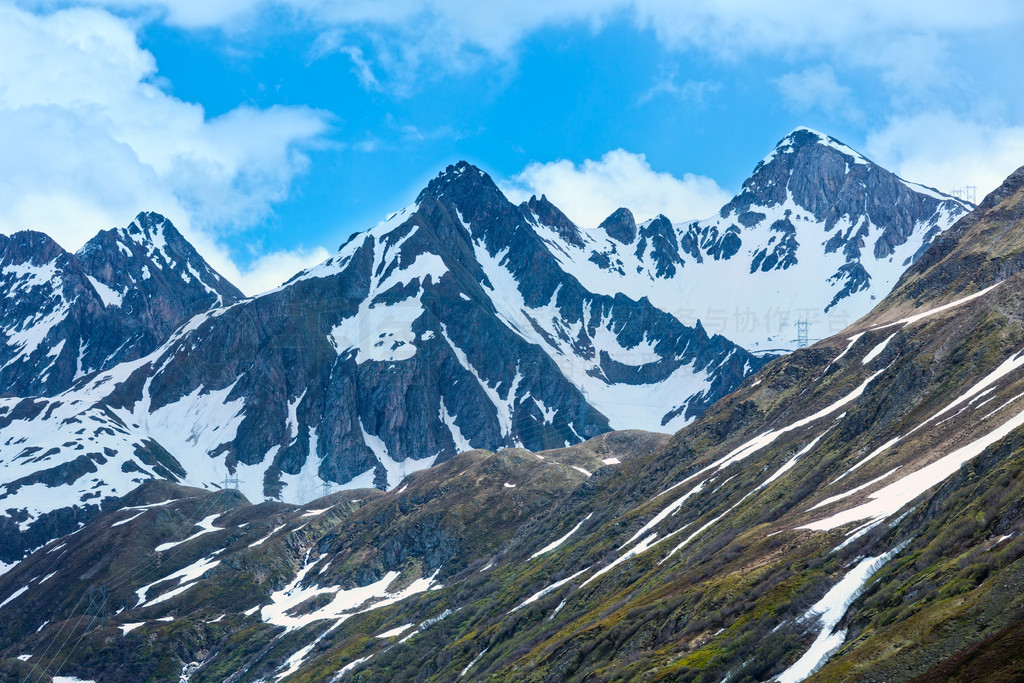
{"points": [[66, 315], [461, 322], [448, 327], [852, 513], [818, 233]]}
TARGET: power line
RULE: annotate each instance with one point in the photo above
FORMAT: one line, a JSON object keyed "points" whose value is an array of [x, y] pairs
{"points": [[113, 584]]}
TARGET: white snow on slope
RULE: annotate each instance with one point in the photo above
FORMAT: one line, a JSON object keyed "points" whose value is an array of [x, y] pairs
{"points": [[14, 595], [627, 406], [461, 442], [396, 471], [397, 631], [544, 591], [829, 611], [858, 489], [1006, 367], [128, 519], [871, 456], [981, 387], [890, 499], [938, 309], [554, 544], [791, 463], [107, 295], [345, 603], [766, 438], [205, 527], [503, 405], [187, 577], [756, 310], [877, 351], [475, 660], [668, 510]]}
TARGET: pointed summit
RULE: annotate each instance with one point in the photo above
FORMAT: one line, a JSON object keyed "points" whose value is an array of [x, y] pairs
{"points": [[117, 299], [458, 179], [29, 247], [153, 259], [620, 226], [804, 138], [549, 214]]}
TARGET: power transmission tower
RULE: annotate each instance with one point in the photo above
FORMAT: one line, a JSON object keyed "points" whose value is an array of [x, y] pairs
{"points": [[968, 193], [801, 333], [328, 488], [98, 605], [231, 482]]}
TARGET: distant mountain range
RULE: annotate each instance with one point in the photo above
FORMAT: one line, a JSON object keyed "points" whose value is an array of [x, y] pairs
{"points": [[818, 233], [461, 322], [850, 513]]}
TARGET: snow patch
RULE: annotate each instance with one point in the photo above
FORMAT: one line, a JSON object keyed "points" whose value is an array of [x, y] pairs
{"points": [[107, 295], [829, 612], [554, 544]]}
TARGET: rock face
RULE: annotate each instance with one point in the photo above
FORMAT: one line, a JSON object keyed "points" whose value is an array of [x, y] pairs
{"points": [[155, 275], [446, 328], [462, 322], [818, 233], [67, 315]]}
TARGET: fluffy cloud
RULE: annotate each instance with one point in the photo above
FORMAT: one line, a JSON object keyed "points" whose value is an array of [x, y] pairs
{"points": [[273, 269], [407, 33], [948, 152], [589, 192], [89, 139], [817, 88]]}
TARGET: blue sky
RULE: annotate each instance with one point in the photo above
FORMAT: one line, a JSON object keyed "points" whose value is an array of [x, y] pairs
{"points": [[269, 131]]}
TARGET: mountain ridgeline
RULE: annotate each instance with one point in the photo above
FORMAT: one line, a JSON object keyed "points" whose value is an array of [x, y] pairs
{"points": [[851, 512], [817, 234], [461, 322], [448, 327]]}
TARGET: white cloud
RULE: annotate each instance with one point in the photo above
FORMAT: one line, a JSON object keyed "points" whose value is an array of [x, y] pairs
{"points": [[361, 67], [89, 140], [948, 152], [590, 192], [909, 40], [692, 91], [273, 269], [817, 88]]}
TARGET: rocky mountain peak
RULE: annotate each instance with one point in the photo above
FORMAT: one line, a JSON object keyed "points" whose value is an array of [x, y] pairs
{"points": [[803, 138], [150, 255], [809, 166], [28, 247], [551, 215], [620, 226], [458, 180], [116, 299], [820, 179]]}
